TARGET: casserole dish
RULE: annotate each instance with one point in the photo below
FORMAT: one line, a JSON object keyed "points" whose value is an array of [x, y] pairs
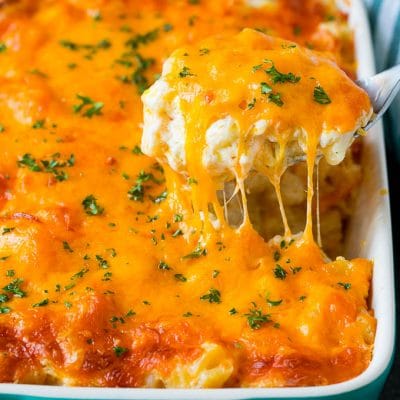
{"points": [[376, 244]]}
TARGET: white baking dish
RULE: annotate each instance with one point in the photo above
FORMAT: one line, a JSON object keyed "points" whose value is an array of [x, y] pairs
{"points": [[369, 236]]}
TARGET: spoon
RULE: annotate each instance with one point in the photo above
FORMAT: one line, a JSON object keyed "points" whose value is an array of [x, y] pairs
{"points": [[382, 89]]}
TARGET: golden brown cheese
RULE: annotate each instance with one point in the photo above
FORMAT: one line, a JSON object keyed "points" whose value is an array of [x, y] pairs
{"points": [[99, 286]]}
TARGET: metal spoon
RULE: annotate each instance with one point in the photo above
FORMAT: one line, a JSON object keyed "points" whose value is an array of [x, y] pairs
{"points": [[382, 89]]}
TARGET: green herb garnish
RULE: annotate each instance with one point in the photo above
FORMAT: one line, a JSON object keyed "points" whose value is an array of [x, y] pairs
{"points": [[320, 96], [91, 107], [279, 272], [196, 253], [255, 317], [180, 277], [91, 206], [212, 296], [345, 286], [42, 303], [185, 72], [119, 351]]}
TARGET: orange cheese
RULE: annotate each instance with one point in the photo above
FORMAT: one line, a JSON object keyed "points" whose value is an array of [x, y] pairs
{"points": [[106, 278]]}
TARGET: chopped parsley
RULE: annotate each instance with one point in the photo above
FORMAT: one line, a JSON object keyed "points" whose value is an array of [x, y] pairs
{"points": [[103, 263], [137, 150], [180, 277], [255, 317], [196, 253], [3, 47], [185, 72], [67, 304], [42, 303], [119, 351], [163, 266], [215, 273], [272, 96], [187, 314], [138, 78], [107, 276], [192, 181], [3, 298], [28, 161], [279, 77], [178, 218], [295, 270], [91, 206], [320, 96], [14, 288], [274, 303], [137, 191], [233, 311], [275, 98], [80, 274], [265, 88], [252, 104], [2, 129], [345, 285], [177, 233], [297, 30], [91, 49], [67, 247], [279, 272], [6, 230], [37, 72], [91, 107], [277, 255], [212, 296], [204, 51], [141, 39], [160, 198]]}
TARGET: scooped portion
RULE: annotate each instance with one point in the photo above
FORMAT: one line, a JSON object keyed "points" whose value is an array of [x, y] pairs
{"points": [[229, 105]]}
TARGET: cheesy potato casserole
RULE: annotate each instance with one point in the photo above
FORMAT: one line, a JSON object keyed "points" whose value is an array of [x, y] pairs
{"points": [[157, 228]]}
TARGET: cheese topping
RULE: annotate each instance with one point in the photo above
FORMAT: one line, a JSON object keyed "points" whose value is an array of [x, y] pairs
{"points": [[116, 271]]}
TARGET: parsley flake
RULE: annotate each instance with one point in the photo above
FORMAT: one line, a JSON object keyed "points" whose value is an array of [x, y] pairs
{"points": [[185, 72], [91, 206], [212, 296], [119, 351], [180, 277], [255, 317], [42, 303], [196, 253], [345, 285], [320, 96], [91, 107], [279, 77], [279, 272]]}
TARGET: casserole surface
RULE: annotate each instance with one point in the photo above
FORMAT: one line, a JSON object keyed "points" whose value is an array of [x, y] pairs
{"points": [[90, 203]]}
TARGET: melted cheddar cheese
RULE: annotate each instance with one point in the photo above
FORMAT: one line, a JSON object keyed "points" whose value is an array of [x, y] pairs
{"points": [[109, 276]]}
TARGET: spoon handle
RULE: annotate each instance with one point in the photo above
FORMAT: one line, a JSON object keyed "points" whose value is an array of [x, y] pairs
{"points": [[382, 89]]}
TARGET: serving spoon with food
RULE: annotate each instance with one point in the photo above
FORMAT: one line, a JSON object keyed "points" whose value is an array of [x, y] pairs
{"points": [[382, 89]]}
